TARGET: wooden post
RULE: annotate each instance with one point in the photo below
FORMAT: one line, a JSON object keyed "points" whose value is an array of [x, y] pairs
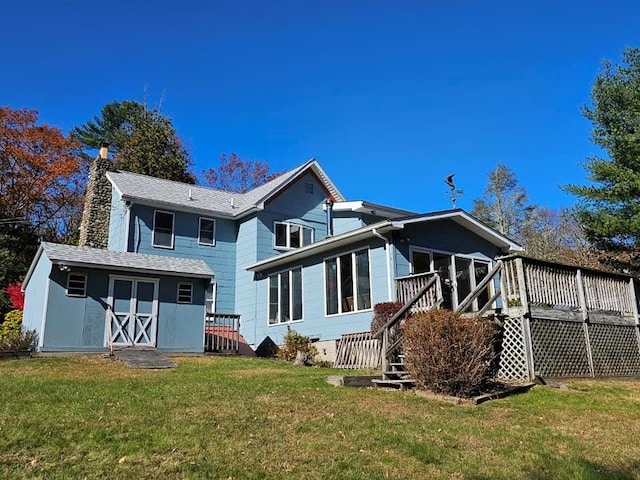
{"points": [[585, 319], [526, 314], [634, 307], [385, 359]]}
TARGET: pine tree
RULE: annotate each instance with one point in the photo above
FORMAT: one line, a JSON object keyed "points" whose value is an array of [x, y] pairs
{"points": [[142, 140], [609, 207]]}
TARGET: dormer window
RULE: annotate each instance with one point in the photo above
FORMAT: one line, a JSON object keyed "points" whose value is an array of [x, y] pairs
{"points": [[292, 235]]}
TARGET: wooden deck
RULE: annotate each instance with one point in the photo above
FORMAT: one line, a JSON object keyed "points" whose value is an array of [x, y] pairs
{"points": [[557, 320]]}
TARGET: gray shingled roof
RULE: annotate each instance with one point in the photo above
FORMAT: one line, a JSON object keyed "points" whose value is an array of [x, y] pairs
{"points": [[157, 191], [124, 261]]}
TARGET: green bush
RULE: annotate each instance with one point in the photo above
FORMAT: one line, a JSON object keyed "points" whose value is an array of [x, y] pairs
{"points": [[293, 342], [448, 353], [12, 323]]}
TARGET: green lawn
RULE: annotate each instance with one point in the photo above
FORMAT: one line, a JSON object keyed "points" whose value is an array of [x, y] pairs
{"points": [[221, 418]]}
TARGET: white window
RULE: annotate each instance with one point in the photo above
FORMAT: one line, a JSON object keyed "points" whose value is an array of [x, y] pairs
{"points": [[76, 285], [285, 297], [185, 293], [347, 283], [207, 231], [291, 235], [210, 298], [162, 229]]}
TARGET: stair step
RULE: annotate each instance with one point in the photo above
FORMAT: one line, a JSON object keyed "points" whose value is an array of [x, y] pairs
{"points": [[396, 373], [402, 384]]}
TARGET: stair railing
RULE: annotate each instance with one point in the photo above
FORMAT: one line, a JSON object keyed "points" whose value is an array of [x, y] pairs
{"points": [[391, 334], [468, 300]]}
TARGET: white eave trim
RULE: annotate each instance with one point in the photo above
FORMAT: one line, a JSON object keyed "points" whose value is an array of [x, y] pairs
{"points": [[361, 206], [32, 267]]}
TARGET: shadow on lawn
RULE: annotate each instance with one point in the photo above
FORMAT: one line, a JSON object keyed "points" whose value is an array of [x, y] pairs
{"points": [[582, 469]]}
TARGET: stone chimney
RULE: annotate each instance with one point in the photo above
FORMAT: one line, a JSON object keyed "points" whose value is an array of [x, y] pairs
{"points": [[94, 229]]}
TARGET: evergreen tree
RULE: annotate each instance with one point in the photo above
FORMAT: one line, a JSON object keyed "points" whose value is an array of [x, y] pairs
{"points": [[142, 140], [609, 207]]}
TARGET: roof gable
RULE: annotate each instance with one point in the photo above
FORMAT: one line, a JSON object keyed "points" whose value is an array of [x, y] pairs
{"points": [[193, 198]]}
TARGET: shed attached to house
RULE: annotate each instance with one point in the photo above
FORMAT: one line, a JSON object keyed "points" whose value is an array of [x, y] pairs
{"points": [[84, 299]]}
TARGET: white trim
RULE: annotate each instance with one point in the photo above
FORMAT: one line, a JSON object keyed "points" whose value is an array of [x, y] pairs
{"points": [[44, 312], [127, 225], [213, 236], [173, 230]]}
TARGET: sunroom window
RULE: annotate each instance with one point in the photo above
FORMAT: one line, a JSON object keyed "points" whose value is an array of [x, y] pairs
{"points": [[285, 297], [348, 283], [292, 235]]}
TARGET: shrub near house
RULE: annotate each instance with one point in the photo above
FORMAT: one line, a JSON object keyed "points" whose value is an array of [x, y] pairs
{"points": [[448, 353]]}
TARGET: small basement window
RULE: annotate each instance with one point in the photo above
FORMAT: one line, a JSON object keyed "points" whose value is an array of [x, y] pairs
{"points": [[76, 285], [185, 293]]}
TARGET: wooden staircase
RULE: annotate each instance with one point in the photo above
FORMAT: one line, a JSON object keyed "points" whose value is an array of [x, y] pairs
{"points": [[423, 295], [396, 377]]}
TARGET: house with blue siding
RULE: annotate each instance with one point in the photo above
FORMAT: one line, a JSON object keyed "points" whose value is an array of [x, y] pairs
{"points": [[292, 253]]}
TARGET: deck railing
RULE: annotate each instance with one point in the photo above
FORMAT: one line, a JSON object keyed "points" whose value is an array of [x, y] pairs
{"points": [[222, 333], [407, 288], [543, 286]]}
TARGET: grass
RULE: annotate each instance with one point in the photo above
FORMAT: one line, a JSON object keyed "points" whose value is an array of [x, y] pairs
{"points": [[233, 418]]}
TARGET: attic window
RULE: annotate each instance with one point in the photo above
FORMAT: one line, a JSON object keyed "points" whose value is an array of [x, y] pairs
{"points": [[308, 188]]}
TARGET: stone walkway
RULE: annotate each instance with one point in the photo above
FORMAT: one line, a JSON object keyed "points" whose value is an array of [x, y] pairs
{"points": [[143, 357]]}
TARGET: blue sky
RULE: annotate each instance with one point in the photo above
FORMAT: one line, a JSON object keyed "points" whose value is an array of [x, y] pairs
{"points": [[390, 97]]}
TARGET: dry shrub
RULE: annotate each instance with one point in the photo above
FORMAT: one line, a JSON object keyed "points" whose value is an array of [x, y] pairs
{"points": [[449, 354], [382, 313]]}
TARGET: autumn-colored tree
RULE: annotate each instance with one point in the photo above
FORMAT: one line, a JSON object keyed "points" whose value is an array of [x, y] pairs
{"points": [[142, 140], [16, 295], [237, 175], [40, 181]]}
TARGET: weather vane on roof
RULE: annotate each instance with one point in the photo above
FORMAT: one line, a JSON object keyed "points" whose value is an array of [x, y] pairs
{"points": [[453, 193]]}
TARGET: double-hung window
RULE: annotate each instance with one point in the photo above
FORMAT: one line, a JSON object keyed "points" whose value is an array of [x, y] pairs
{"points": [[347, 283], [206, 231], [285, 297], [292, 235], [162, 229]]}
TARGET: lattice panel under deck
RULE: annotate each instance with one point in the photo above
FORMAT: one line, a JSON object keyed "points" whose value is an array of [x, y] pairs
{"points": [[513, 357], [559, 349], [615, 350]]}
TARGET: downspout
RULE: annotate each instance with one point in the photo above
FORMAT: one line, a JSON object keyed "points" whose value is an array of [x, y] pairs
{"points": [[387, 248], [328, 206]]}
